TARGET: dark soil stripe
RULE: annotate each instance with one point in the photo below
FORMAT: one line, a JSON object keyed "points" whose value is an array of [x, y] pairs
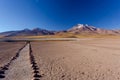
{"points": [[34, 66]]}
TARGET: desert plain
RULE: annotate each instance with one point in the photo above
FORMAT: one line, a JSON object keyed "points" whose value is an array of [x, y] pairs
{"points": [[80, 59]]}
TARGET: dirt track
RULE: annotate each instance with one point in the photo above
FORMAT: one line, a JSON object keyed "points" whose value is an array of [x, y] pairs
{"points": [[21, 67]]}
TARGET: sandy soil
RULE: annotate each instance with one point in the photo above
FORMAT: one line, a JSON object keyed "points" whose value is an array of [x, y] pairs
{"points": [[8, 50], [91, 59], [20, 69]]}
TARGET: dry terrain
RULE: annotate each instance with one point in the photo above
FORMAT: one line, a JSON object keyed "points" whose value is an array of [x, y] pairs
{"points": [[21, 66], [8, 50], [86, 59], [83, 59], [20, 69]]}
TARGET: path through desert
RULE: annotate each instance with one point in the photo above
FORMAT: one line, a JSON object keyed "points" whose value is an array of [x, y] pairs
{"points": [[85, 59]]}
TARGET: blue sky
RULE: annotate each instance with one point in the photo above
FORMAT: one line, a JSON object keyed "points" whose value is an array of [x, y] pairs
{"points": [[58, 14]]}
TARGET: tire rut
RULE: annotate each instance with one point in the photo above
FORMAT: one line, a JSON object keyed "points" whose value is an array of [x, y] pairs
{"points": [[35, 67]]}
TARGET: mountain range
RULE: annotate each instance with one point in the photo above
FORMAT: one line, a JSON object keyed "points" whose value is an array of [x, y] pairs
{"points": [[77, 29], [27, 32]]}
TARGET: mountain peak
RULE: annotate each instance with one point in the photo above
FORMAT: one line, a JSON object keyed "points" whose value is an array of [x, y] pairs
{"points": [[82, 27], [79, 25]]}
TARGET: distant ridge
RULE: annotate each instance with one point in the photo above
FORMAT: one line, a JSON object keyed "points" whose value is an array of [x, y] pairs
{"points": [[77, 29], [27, 32]]}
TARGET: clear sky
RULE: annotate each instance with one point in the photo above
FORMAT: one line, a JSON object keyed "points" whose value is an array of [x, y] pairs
{"points": [[58, 14]]}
